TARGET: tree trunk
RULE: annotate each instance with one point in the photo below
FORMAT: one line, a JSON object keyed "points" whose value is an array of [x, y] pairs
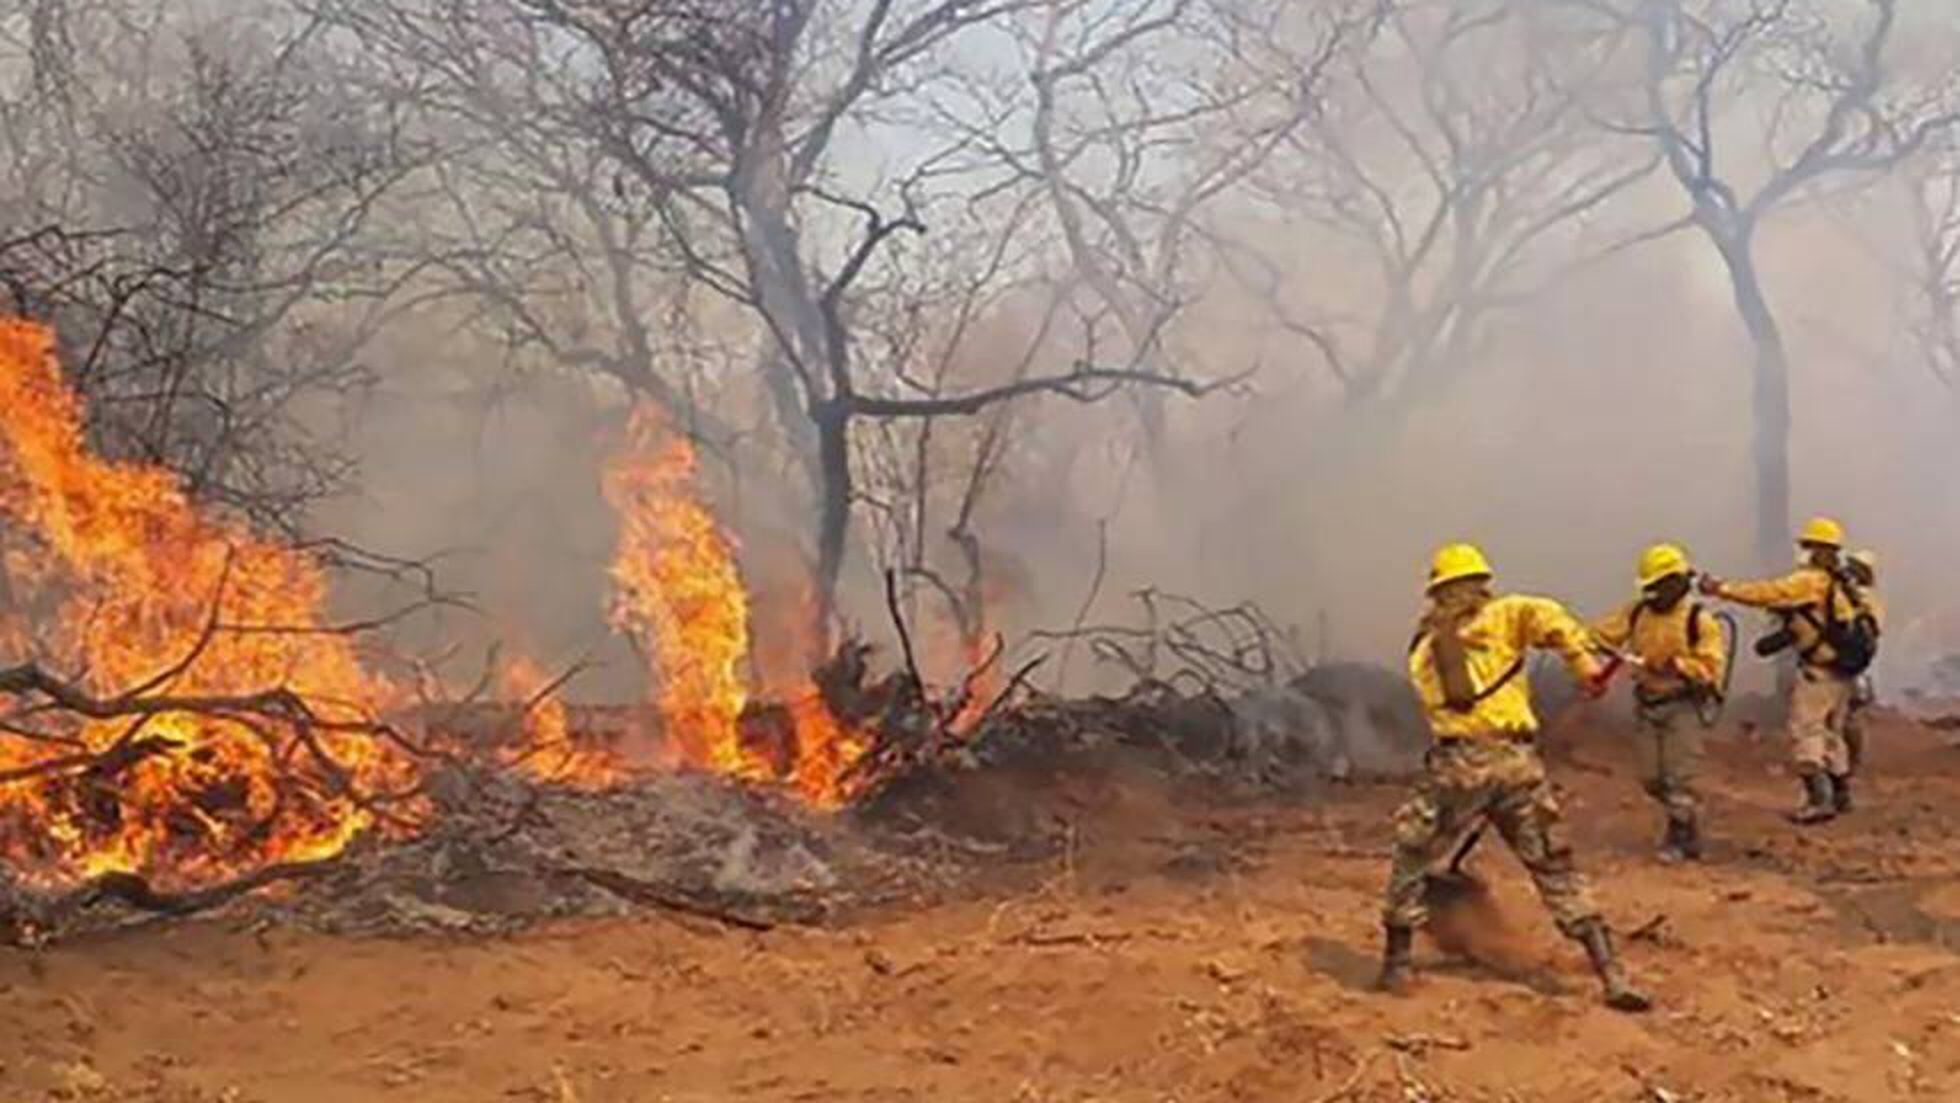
{"points": [[833, 422], [1770, 408]]}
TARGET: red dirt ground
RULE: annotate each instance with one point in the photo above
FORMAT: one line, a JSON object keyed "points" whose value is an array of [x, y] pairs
{"points": [[1187, 947]]}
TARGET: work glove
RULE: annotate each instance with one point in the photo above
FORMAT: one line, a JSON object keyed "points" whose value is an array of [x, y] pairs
{"points": [[1709, 585]]}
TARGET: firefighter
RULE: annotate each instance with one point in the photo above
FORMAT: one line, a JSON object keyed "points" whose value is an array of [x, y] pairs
{"points": [[1679, 657], [1812, 602], [1862, 566], [1467, 666]]}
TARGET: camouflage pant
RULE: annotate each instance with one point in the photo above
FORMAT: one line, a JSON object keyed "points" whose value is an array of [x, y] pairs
{"points": [[1667, 753], [1820, 702], [1466, 780]]}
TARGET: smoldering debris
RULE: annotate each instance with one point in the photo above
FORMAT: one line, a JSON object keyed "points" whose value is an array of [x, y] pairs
{"points": [[1236, 691], [503, 850], [507, 851]]}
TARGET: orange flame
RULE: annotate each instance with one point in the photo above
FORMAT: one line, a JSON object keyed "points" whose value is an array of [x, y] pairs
{"points": [[825, 751], [132, 572], [548, 750], [983, 683], [678, 589]]}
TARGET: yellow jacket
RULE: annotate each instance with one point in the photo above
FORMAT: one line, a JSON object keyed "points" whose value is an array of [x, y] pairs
{"points": [[1805, 588], [1497, 638], [1669, 661]]}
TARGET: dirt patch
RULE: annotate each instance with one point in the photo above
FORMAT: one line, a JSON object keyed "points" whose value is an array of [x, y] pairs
{"points": [[1466, 921], [1192, 942]]}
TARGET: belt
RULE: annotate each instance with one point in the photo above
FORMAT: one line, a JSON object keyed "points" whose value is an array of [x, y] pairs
{"points": [[1520, 737], [1679, 696]]}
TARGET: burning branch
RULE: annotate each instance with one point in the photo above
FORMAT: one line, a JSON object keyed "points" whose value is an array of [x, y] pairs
{"points": [[256, 745], [279, 708]]}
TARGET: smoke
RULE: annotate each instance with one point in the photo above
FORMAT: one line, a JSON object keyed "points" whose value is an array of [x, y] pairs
{"points": [[1610, 413], [1607, 408]]}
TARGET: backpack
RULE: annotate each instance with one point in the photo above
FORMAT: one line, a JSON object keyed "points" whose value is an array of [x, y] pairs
{"points": [[1853, 642]]}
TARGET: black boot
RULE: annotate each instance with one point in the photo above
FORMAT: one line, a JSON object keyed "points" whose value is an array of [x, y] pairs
{"points": [[1841, 793], [1820, 800], [1672, 850], [1682, 843], [1396, 961], [1691, 839], [1621, 995]]}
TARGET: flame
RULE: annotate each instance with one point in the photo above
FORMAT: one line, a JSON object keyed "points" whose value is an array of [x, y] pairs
{"points": [[138, 581], [982, 684], [548, 750], [825, 751], [959, 644], [678, 589]]}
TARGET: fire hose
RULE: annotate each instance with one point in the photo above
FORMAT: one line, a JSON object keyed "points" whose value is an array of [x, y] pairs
{"points": [[1708, 707]]}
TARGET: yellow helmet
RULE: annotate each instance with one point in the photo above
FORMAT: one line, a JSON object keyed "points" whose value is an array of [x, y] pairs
{"points": [[1456, 561], [1865, 559], [1660, 561], [1822, 530]]}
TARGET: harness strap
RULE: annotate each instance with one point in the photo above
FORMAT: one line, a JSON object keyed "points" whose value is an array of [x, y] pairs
{"points": [[1482, 695]]}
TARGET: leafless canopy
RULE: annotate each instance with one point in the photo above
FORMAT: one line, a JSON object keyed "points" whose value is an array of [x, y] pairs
{"points": [[188, 203]]}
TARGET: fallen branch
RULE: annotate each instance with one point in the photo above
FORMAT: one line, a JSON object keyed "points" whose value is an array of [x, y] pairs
{"points": [[1065, 938], [1346, 1090], [136, 891], [652, 895], [1649, 931], [1419, 1044]]}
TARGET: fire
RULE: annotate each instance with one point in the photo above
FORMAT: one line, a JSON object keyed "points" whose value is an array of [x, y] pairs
{"points": [[134, 582], [113, 579], [982, 684], [678, 589], [825, 750], [548, 750]]}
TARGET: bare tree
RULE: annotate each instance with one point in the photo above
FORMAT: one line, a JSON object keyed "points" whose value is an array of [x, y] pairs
{"points": [[722, 128], [193, 198], [1932, 267], [1835, 110], [1133, 126], [1456, 149], [928, 479]]}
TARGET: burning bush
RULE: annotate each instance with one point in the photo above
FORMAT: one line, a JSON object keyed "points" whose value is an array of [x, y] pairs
{"points": [[679, 591], [216, 721]]}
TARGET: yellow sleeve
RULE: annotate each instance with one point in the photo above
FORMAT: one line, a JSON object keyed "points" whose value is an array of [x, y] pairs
{"points": [[1705, 661], [1792, 591], [1615, 629], [1423, 679], [1545, 624]]}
